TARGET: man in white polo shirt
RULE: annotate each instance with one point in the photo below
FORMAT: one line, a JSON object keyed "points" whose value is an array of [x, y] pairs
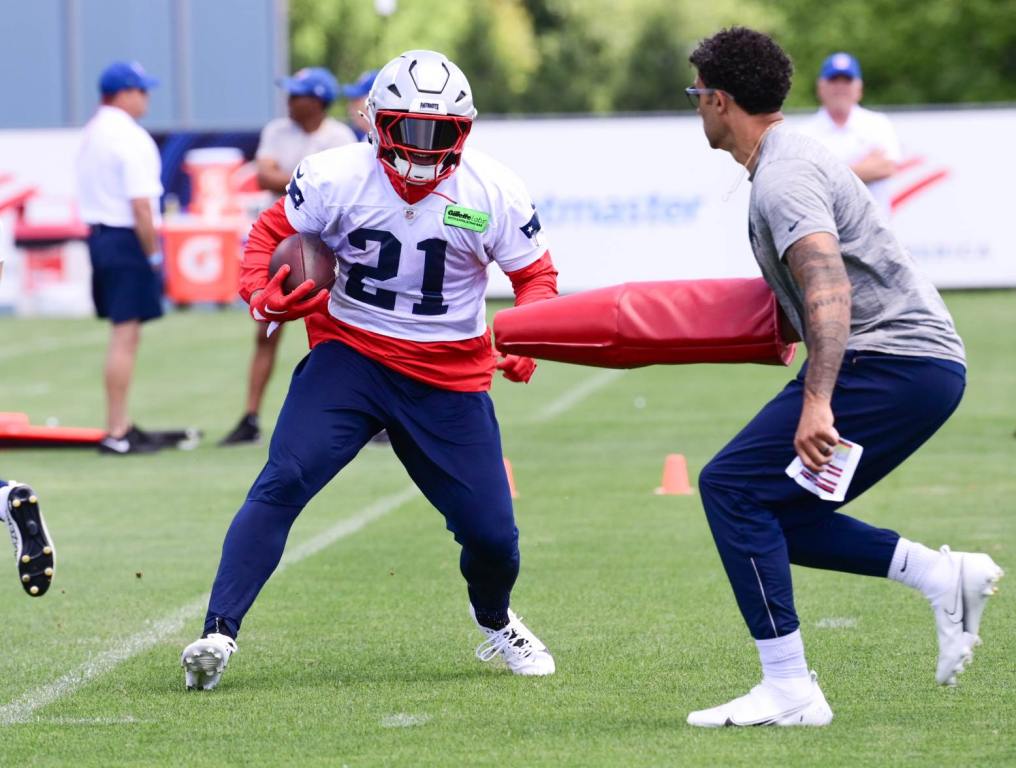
{"points": [[284, 142], [119, 186], [864, 140]]}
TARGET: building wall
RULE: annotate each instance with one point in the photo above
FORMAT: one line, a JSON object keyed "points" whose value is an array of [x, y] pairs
{"points": [[217, 61]]}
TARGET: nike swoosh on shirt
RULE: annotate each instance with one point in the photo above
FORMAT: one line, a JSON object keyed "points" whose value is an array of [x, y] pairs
{"points": [[299, 174], [793, 226]]}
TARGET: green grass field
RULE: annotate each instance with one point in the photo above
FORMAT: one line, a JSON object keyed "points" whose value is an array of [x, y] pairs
{"points": [[360, 652]]}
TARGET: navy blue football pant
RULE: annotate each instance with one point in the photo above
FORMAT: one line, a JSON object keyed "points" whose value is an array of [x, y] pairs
{"points": [[449, 443], [762, 521]]}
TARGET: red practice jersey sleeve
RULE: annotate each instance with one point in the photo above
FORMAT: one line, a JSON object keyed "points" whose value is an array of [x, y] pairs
{"points": [[271, 228]]}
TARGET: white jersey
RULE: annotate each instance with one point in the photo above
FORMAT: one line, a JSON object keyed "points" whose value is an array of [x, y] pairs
{"points": [[864, 132], [414, 271]]}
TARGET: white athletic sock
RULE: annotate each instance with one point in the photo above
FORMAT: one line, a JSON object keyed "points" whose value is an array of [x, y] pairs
{"points": [[921, 568], [784, 666], [5, 492]]}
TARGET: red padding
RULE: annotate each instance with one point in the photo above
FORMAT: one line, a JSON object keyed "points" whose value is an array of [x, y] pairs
{"points": [[626, 326], [16, 432]]}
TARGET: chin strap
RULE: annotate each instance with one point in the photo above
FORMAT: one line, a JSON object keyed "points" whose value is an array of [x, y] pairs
{"points": [[411, 193]]}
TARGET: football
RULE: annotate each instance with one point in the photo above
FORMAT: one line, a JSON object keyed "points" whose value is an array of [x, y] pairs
{"points": [[308, 259]]}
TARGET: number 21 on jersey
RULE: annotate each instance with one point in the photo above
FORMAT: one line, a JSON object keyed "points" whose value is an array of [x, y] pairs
{"points": [[390, 254]]}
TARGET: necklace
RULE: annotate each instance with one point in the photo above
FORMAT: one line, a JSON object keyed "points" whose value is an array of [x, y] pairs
{"points": [[742, 176]]}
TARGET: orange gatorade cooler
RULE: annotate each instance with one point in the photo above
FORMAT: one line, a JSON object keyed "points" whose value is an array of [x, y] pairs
{"points": [[202, 259], [211, 170]]}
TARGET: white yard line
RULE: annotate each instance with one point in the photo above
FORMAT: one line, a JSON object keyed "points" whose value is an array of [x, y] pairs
{"points": [[577, 394], [90, 721], [47, 344], [21, 709], [98, 338], [403, 720]]}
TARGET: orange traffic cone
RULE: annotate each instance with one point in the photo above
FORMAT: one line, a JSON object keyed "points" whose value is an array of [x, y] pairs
{"points": [[675, 477], [511, 478]]}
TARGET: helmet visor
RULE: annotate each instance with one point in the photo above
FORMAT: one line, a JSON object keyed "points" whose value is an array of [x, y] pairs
{"points": [[428, 134]]}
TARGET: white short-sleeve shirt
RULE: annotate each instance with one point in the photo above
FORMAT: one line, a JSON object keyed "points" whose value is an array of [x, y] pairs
{"points": [[285, 142], [117, 162], [864, 132], [414, 271]]}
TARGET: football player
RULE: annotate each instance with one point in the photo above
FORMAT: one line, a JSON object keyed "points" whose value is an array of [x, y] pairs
{"points": [[400, 342], [33, 548]]}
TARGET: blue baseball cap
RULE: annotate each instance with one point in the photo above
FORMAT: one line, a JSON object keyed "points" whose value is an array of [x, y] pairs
{"points": [[841, 64], [362, 86], [122, 75], [311, 81]]}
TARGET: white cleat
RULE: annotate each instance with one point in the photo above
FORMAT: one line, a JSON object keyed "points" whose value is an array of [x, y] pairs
{"points": [[521, 649], [958, 611], [766, 705], [204, 661]]}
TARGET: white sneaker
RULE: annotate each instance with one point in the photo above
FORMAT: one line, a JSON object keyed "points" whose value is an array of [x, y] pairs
{"points": [[204, 661], [766, 705], [521, 649], [958, 611]]}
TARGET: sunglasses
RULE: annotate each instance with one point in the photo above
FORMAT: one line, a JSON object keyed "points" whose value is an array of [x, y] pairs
{"points": [[695, 94]]}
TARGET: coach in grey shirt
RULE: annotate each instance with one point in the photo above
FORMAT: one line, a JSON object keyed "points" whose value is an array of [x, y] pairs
{"points": [[885, 369]]}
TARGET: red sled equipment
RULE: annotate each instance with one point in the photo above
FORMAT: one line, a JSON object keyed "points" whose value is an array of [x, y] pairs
{"points": [[17, 432], [735, 320]]}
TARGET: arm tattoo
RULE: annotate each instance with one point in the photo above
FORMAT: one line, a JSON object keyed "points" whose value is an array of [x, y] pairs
{"points": [[819, 271]]}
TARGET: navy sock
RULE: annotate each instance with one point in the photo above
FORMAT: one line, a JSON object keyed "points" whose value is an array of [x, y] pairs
{"points": [[492, 619], [221, 626]]}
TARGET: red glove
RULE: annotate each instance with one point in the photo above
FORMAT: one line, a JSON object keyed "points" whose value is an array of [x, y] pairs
{"points": [[270, 304], [517, 368]]}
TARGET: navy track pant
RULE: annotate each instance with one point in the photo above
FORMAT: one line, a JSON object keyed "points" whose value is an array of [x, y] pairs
{"points": [[762, 521], [449, 443]]}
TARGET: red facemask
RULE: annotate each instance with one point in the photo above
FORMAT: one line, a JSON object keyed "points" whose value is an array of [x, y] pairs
{"points": [[419, 151]]}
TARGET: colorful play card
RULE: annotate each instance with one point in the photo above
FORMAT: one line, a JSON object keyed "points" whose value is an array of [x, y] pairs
{"points": [[832, 482]]}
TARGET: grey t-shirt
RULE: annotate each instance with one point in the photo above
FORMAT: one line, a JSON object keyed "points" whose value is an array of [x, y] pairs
{"points": [[799, 188]]}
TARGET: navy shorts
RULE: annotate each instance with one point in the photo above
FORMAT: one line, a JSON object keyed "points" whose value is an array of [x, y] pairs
{"points": [[124, 285]]}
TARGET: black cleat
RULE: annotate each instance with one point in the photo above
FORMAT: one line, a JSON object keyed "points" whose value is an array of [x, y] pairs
{"points": [[33, 548], [133, 441], [247, 431]]}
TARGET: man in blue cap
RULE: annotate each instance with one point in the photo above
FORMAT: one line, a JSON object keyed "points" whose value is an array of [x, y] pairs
{"points": [[864, 140], [119, 186], [284, 142], [356, 103]]}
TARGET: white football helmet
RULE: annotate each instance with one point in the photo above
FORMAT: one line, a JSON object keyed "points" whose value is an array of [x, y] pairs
{"points": [[420, 110]]}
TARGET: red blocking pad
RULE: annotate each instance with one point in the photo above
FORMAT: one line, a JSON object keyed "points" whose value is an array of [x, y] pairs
{"points": [[16, 432], [734, 320]]}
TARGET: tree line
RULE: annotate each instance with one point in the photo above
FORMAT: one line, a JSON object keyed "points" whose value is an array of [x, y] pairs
{"points": [[606, 56]]}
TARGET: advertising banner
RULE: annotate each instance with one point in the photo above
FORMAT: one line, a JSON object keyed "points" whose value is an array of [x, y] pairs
{"points": [[645, 198], [636, 198]]}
